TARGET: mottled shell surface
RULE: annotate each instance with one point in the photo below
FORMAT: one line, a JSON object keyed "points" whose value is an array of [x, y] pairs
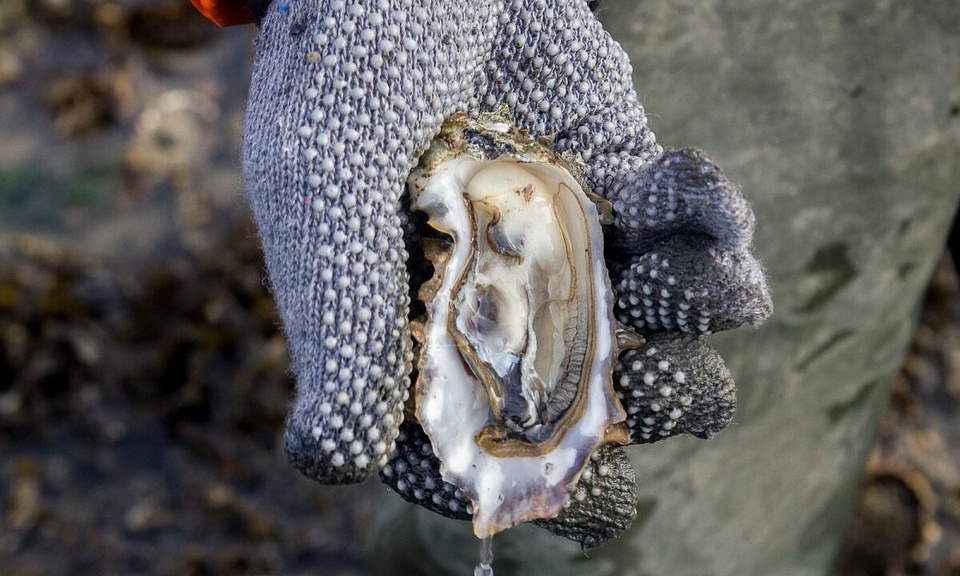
{"points": [[518, 344]]}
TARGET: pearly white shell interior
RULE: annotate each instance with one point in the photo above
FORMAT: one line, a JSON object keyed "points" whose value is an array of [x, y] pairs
{"points": [[453, 406]]}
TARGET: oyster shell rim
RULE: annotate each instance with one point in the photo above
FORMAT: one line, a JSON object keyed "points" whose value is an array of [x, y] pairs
{"points": [[494, 139]]}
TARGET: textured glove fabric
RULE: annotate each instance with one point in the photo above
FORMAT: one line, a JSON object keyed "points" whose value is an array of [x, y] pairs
{"points": [[345, 96]]}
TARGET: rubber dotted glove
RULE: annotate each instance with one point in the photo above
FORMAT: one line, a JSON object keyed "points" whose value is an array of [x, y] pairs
{"points": [[345, 96]]}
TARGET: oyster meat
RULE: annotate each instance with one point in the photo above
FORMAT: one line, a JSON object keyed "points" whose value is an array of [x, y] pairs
{"points": [[519, 340]]}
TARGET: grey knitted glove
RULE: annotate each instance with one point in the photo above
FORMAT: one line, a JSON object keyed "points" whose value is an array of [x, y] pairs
{"points": [[345, 96]]}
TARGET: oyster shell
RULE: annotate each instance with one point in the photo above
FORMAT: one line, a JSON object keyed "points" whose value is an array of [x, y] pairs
{"points": [[518, 346]]}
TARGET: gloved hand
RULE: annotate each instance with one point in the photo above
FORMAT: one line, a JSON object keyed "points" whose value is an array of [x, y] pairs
{"points": [[345, 96]]}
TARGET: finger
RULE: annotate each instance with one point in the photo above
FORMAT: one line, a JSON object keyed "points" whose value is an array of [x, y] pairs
{"points": [[674, 384], [595, 114], [413, 472], [563, 76], [678, 192], [603, 504], [691, 284]]}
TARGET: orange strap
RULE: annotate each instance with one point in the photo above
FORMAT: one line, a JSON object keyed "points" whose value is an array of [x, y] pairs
{"points": [[224, 12]]}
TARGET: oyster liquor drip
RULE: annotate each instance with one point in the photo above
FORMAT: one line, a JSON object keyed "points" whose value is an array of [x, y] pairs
{"points": [[518, 344]]}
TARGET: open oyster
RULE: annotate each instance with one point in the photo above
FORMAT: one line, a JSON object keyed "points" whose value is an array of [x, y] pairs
{"points": [[519, 341]]}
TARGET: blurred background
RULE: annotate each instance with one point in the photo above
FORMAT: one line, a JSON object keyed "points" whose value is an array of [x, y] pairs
{"points": [[143, 377]]}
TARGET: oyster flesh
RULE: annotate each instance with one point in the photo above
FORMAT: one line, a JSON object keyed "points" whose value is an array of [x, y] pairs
{"points": [[519, 341]]}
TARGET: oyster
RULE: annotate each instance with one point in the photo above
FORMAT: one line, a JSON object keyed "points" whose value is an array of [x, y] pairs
{"points": [[519, 341]]}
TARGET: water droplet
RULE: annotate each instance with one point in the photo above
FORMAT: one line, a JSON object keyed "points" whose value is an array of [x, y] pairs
{"points": [[484, 568]]}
